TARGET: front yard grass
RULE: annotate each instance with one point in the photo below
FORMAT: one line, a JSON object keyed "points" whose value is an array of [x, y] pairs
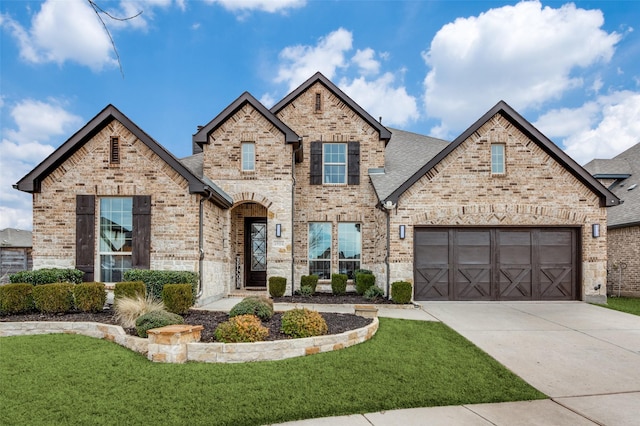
{"points": [[69, 379], [629, 305]]}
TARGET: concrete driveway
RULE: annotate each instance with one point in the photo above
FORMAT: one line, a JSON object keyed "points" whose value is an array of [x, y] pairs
{"points": [[585, 357]]}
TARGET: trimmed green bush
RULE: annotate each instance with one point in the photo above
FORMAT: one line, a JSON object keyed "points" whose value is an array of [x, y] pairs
{"points": [[155, 280], [48, 276], [130, 289], [258, 306], [309, 281], [339, 284], [16, 298], [306, 291], [90, 297], [303, 323], [177, 298], [362, 271], [241, 329], [364, 281], [401, 292], [156, 319], [374, 292], [53, 298], [277, 286]]}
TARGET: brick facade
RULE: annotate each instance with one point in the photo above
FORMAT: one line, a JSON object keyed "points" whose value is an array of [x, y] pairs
{"points": [[624, 261]]}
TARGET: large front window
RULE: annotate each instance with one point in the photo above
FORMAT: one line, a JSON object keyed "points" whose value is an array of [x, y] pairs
{"points": [[320, 249], [116, 226], [349, 248], [334, 162]]}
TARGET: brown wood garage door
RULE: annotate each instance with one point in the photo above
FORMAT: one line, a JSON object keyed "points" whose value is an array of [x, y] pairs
{"points": [[496, 263]]}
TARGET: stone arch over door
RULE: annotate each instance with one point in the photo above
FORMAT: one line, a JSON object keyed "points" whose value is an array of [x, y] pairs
{"points": [[249, 244]]}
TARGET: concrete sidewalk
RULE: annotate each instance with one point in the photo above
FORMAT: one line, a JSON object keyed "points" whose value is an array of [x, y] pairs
{"points": [[586, 358]]}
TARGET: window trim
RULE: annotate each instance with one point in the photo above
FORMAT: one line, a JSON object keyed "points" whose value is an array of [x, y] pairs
{"points": [[345, 164], [494, 157], [244, 156]]}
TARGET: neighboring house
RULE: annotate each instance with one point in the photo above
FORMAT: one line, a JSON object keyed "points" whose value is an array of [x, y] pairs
{"points": [[621, 175], [316, 185], [15, 252]]}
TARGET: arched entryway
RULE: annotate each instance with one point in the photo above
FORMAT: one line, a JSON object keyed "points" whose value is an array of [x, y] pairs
{"points": [[249, 244]]}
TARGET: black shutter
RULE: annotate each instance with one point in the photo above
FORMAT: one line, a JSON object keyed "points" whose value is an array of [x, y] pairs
{"points": [[141, 238], [316, 163], [354, 163], [85, 235]]}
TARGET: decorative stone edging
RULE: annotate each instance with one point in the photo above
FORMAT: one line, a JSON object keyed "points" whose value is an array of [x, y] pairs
{"points": [[180, 345]]}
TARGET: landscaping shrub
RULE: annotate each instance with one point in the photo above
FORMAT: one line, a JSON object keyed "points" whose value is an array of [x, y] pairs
{"points": [[53, 298], [306, 290], [48, 276], [155, 280], [129, 309], [258, 306], [401, 292], [364, 281], [16, 298], [339, 284], [156, 319], [374, 292], [277, 286], [177, 298], [309, 281], [90, 297], [130, 289], [303, 323], [241, 329]]}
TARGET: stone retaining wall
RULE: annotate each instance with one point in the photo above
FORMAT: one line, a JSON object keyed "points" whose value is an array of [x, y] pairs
{"points": [[202, 352]]}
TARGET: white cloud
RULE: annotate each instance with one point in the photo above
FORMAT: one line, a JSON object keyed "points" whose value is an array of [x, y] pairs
{"points": [[23, 147], [599, 129], [525, 54], [301, 62], [380, 98], [270, 6], [365, 60]]}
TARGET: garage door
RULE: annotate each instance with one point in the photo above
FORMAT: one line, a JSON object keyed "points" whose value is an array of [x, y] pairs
{"points": [[496, 263]]}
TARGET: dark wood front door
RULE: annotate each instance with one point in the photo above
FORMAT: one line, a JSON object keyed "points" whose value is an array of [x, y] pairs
{"points": [[255, 252], [496, 264]]}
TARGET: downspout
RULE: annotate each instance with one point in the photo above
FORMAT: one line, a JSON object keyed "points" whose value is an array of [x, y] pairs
{"points": [[388, 205], [293, 211], [201, 243]]}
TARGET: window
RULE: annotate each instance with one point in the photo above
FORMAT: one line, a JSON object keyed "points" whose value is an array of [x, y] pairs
{"points": [[320, 249], [349, 248], [497, 159], [114, 157], [116, 232], [248, 156], [334, 157]]}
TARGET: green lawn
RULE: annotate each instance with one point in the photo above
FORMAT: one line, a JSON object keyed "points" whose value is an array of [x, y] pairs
{"points": [[68, 379], [625, 304]]}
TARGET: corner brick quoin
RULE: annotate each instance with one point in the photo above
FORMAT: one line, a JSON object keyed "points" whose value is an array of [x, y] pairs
{"points": [[181, 343]]}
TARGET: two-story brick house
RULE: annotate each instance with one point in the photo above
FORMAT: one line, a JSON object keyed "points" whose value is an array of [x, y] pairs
{"points": [[315, 185]]}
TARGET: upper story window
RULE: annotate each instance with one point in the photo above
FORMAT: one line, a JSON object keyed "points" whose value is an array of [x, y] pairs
{"points": [[114, 151], [497, 159], [334, 163], [248, 156], [116, 236]]}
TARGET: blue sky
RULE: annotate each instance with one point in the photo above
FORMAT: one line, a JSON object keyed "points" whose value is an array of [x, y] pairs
{"points": [[431, 67]]}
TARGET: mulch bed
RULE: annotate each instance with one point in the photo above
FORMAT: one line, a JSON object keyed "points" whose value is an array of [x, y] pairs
{"points": [[337, 323], [329, 298]]}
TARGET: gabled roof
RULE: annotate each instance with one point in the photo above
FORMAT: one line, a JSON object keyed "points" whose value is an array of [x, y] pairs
{"points": [[385, 134], [606, 197], [11, 237], [202, 136], [31, 182], [625, 168]]}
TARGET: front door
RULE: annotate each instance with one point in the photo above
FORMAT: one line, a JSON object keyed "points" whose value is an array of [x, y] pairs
{"points": [[255, 252]]}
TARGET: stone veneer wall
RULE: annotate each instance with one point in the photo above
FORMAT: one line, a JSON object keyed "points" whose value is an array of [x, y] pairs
{"points": [[624, 248], [174, 212], [335, 122], [535, 191]]}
